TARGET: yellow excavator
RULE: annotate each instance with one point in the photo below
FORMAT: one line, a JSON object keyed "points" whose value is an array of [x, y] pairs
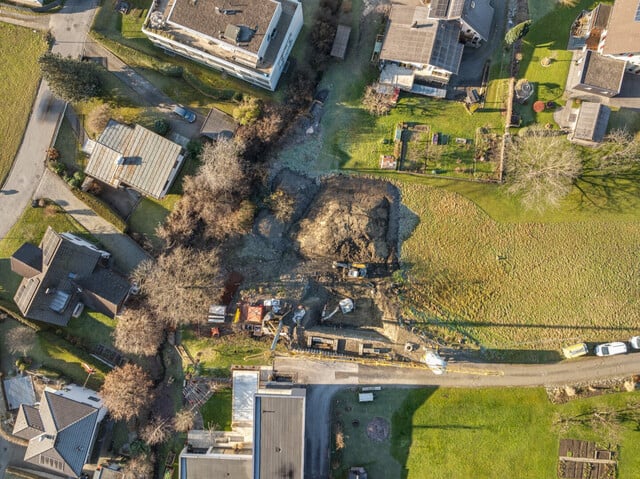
{"points": [[354, 270]]}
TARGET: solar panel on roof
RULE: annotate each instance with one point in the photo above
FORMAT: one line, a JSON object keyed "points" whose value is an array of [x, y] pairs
{"points": [[439, 8]]}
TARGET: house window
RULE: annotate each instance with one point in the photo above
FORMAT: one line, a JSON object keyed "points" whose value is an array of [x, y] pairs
{"points": [[51, 462]]}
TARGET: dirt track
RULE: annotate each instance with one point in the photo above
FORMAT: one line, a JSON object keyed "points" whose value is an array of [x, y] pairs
{"points": [[325, 378]]}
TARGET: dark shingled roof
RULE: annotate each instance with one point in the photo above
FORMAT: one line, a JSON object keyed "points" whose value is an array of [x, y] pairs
{"points": [[251, 19], [28, 423], [592, 122], [68, 434], [602, 72], [479, 15], [27, 260], [51, 295]]}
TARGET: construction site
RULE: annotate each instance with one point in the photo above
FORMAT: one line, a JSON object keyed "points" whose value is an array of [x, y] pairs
{"points": [[322, 282]]}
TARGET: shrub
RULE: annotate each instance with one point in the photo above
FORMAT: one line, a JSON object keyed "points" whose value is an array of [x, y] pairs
{"points": [[248, 111], [57, 167], [161, 126]]}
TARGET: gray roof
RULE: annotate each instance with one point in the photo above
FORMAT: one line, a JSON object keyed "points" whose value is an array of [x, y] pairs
{"points": [[232, 466], [218, 124], [340, 42], [19, 390], [109, 286], [446, 9], [69, 433], [600, 16], [602, 72], [592, 122], [51, 295], [623, 32], [478, 14], [412, 37], [27, 260], [279, 428], [28, 423], [134, 156], [246, 23]]}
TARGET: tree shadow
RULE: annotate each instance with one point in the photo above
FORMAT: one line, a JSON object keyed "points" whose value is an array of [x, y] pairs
{"points": [[402, 426]]}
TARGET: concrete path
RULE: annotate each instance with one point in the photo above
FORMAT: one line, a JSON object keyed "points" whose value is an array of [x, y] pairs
{"points": [[39, 22], [325, 378], [69, 27], [126, 252]]}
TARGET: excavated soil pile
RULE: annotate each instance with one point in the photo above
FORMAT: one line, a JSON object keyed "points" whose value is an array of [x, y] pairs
{"points": [[351, 219]]}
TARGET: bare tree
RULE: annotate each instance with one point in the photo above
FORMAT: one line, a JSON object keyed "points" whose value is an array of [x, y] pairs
{"points": [[156, 432], [223, 167], [542, 167], [619, 152], [376, 103], [139, 467], [182, 285], [138, 332], [184, 420], [127, 391], [20, 340]]}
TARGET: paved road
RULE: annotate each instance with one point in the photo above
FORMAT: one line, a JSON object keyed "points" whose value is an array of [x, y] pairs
{"points": [[69, 27], [126, 252], [39, 22], [326, 377]]}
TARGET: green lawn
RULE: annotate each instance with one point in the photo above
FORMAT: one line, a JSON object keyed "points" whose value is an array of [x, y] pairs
{"points": [[92, 328], [20, 49], [217, 355], [54, 353], [217, 410], [462, 433], [548, 38], [69, 148]]}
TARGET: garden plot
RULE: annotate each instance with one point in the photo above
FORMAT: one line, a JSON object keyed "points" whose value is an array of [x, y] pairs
{"points": [[421, 148]]}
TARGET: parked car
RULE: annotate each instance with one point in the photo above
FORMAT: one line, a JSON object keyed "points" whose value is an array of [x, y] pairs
{"points": [[635, 342], [575, 350], [184, 113], [609, 349]]}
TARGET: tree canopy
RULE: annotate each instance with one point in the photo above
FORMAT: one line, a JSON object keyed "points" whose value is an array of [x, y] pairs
{"points": [[70, 79], [127, 391], [542, 167], [517, 32]]}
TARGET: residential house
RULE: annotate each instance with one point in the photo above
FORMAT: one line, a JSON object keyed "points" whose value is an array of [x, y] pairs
{"points": [[591, 124], [134, 157], [425, 43], [61, 275], [612, 31], [266, 440], [249, 40], [597, 74], [62, 430]]}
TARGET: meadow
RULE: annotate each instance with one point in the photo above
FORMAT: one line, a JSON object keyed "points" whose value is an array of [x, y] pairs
{"points": [[461, 433], [20, 49]]}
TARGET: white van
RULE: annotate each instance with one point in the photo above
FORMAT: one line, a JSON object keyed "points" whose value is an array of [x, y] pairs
{"points": [[609, 349]]}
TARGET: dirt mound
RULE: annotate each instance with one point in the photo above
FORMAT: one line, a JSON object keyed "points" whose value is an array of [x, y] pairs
{"points": [[351, 219]]}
